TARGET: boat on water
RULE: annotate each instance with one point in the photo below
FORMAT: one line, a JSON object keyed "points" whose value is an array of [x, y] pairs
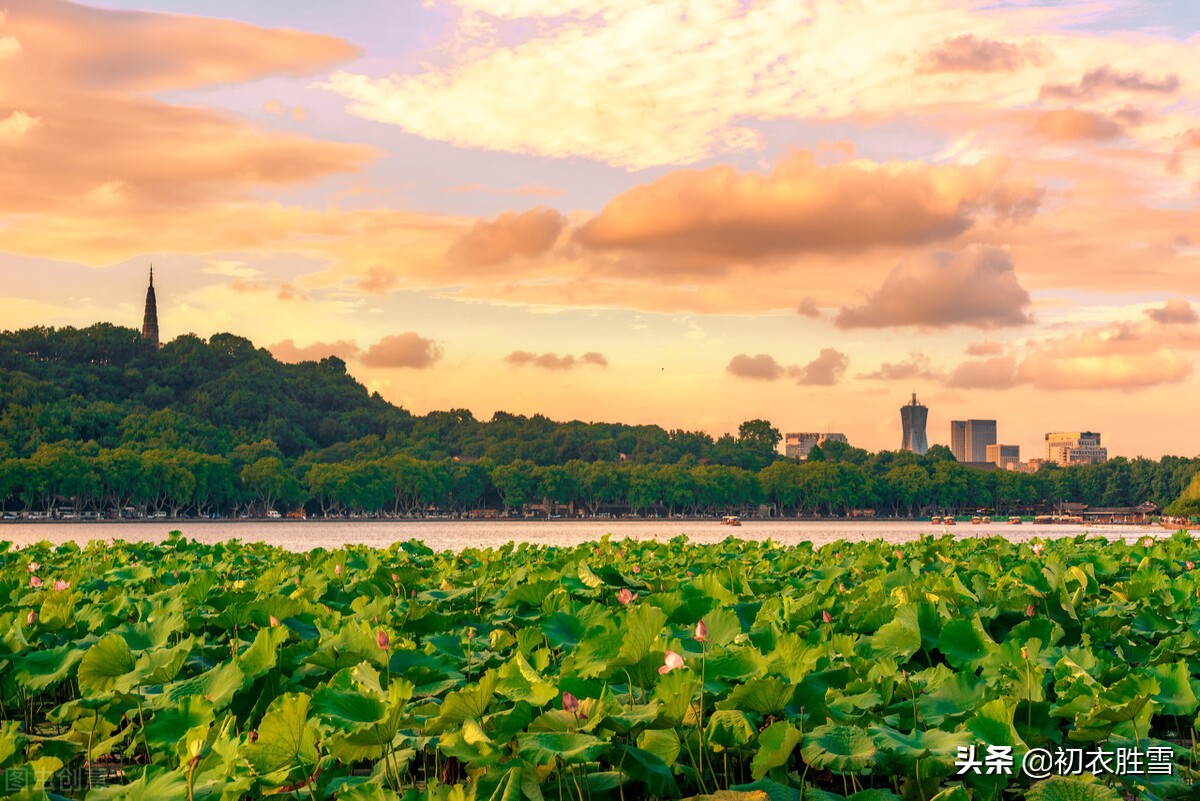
{"points": [[1014, 521], [975, 521], [1179, 525], [731, 520], [948, 520], [987, 521], [935, 519]]}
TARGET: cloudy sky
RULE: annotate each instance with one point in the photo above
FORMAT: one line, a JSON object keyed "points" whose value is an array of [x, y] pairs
{"points": [[687, 212]]}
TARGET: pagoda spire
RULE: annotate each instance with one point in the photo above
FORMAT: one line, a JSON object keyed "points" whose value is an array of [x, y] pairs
{"points": [[150, 320]]}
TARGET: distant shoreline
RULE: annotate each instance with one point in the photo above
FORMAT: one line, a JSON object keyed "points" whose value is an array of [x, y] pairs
{"points": [[583, 521]]}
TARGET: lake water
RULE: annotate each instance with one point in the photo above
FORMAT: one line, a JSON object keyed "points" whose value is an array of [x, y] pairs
{"points": [[455, 535]]}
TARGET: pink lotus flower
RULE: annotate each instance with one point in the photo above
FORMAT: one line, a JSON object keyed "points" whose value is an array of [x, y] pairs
{"points": [[381, 639], [61, 585], [626, 597], [826, 617], [34, 581], [1189, 564], [1147, 542], [841, 587], [672, 661], [395, 579], [338, 568], [31, 618], [570, 703], [701, 632], [274, 621], [34, 567], [1037, 548], [636, 569], [1029, 610], [691, 574], [175, 573]]}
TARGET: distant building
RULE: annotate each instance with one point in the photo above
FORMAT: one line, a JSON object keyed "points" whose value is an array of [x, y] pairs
{"points": [[1006, 457], [969, 439], [1074, 447], [150, 318], [912, 418], [797, 446]]}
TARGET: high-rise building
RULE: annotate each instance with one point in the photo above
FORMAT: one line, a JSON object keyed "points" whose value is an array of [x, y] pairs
{"points": [[797, 446], [150, 319], [1066, 448], [969, 439], [912, 418], [1004, 456]]}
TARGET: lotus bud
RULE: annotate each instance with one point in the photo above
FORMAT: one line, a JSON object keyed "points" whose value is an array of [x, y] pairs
{"points": [[34, 581], [274, 621], [1024, 652], [395, 579], [1189, 564], [1029, 610], [569, 702], [338, 568], [636, 569], [1147, 542], [1038, 548], [671, 661], [826, 617], [175, 573], [61, 585], [34, 567], [691, 574], [625, 596], [841, 587], [381, 639], [701, 632], [253, 737], [31, 618]]}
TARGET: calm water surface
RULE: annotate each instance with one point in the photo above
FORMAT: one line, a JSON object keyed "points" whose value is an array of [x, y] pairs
{"points": [[455, 535]]}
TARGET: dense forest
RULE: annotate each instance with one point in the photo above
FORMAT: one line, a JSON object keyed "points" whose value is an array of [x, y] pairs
{"points": [[94, 420]]}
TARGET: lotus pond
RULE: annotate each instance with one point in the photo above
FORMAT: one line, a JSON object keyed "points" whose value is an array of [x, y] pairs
{"points": [[611, 670]]}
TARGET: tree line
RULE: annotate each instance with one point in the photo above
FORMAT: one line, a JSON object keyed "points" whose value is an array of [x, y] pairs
{"points": [[94, 420]]}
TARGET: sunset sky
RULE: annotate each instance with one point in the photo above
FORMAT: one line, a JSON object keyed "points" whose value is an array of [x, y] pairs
{"points": [[689, 212]]}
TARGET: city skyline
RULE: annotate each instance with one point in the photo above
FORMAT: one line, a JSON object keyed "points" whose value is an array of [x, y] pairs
{"points": [[992, 207]]}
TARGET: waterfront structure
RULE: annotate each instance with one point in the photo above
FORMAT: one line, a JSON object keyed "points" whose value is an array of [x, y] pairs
{"points": [[1066, 448], [969, 439], [797, 446], [1006, 457], [150, 318], [912, 419]]}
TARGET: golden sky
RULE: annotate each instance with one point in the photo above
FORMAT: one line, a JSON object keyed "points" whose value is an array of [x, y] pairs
{"points": [[688, 212]]}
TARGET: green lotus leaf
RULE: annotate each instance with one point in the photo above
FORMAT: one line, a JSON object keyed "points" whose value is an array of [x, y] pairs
{"points": [[675, 692], [104, 664], [470, 703], [217, 685], [260, 656], [28, 779], [905, 748], [1071, 788], [663, 743], [766, 696], [646, 768], [285, 749], [838, 748], [37, 670], [901, 637], [723, 627], [520, 682], [728, 728], [952, 699], [1175, 693], [964, 642], [543, 748], [955, 793], [992, 724], [11, 741], [775, 746], [642, 626]]}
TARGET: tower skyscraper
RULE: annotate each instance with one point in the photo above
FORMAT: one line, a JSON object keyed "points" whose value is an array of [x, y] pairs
{"points": [[912, 417], [150, 319]]}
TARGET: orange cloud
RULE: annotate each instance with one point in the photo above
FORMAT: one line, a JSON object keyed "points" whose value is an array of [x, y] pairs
{"points": [[288, 351], [88, 143], [997, 373], [825, 370], [985, 349], [147, 52], [975, 287], [1177, 312], [1070, 124], [1112, 358], [1103, 80], [403, 350], [527, 234], [553, 361], [801, 207], [969, 53], [917, 366]]}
